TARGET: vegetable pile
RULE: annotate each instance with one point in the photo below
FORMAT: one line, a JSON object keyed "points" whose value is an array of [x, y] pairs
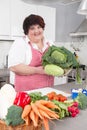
{"points": [[32, 107], [57, 59], [35, 108]]}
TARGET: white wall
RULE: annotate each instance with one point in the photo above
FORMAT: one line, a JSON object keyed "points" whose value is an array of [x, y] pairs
{"points": [[4, 49], [67, 20], [80, 44]]}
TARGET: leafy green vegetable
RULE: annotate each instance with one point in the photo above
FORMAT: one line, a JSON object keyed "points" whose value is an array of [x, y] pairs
{"points": [[66, 58], [78, 76], [71, 59], [54, 70], [59, 57], [62, 105], [63, 108], [13, 116], [37, 96], [82, 100]]}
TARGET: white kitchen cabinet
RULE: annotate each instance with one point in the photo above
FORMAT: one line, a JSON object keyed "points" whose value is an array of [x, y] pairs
{"points": [[60, 80], [13, 13], [4, 19], [49, 15], [19, 10]]}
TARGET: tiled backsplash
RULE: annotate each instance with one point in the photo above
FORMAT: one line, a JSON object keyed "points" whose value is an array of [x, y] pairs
{"points": [[4, 49]]}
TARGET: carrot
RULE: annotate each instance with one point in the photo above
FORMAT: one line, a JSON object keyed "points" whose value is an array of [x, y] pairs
{"points": [[43, 102], [36, 118], [29, 120], [52, 105], [40, 106], [53, 115], [47, 110], [26, 119], [33, 118], [49, 104], [35, 109], [46, 124], [44, 114], [26, 111]]}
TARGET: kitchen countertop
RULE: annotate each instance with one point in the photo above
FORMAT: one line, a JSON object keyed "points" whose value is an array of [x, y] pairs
{"points": [[77, 123]]}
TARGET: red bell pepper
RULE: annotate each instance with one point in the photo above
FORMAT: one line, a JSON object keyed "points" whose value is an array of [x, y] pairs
{"points": [[22, 99]]}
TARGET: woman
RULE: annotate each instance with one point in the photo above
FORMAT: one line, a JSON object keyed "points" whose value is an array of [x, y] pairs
{"points": [[25, 57]]}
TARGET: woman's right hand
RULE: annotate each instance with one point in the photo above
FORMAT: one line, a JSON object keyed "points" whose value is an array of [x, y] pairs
{"points": [[40, 70], [22, 69]]}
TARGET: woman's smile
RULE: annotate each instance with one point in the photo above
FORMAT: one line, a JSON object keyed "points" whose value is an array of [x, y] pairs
{"points": [[35, 33]]}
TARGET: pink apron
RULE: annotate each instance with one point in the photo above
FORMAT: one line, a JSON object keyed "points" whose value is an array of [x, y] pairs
{"points": [[33, 81]]}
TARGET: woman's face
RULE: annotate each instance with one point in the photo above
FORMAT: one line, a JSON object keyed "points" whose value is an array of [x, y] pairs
{"points": [[35, 33]]}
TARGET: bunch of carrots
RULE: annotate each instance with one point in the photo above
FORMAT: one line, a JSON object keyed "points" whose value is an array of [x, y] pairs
{"points": [[40, 110]]}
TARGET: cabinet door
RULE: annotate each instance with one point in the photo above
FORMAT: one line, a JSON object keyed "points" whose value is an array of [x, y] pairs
{"points": [[4, 18], [19, 10], [49, 15]]}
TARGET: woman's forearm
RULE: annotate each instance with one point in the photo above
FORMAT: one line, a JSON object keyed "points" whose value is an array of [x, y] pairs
{"points": [[23, 69]]}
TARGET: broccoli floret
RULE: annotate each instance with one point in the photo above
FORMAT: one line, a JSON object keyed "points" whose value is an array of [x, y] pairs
{"points": [[82, 100], [13, 116]]}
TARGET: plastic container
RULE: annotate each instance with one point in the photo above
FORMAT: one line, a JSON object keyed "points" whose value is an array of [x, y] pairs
{"points": [[74, 93], [84, 91]]}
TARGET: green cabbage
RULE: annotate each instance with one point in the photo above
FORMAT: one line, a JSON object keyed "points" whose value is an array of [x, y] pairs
{"points": [[53, 70], [59, 57]]}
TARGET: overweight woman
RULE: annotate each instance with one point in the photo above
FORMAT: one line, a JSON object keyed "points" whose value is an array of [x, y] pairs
{"points": [[25, 57]]}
